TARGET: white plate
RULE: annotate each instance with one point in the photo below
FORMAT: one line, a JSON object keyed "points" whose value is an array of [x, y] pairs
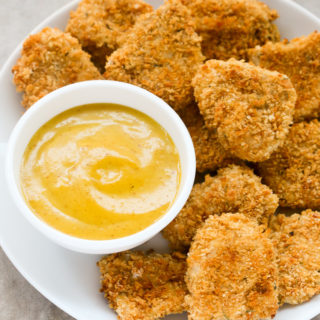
{"points": [[68, 279]]}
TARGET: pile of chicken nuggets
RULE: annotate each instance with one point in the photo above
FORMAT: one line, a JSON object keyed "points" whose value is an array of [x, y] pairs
{"points": [[251, 104]]}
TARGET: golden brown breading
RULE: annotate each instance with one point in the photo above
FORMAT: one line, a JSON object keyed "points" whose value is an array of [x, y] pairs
{"points": [[297, 239], [230, 27], [233, 189], [144, 286], [210, 154], [49, 60], [99, 24], [299, 59], [161, 54], [232, 271], [293, 171], [250, 107]]}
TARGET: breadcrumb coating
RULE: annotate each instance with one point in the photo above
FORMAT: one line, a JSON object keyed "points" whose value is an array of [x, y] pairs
{"points": [[100, 24], [293, 171], [144, 286], [161, 54], [233, 189], [232, 272], [210, 154], [230, 27], [299, 59], [297, 239], [49, 60], [250, 107]]}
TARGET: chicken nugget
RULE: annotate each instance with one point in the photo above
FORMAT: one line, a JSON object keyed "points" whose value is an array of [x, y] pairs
{"points": [[232, 272], [251, 108], [293, 171], [161, 54], [210, 154], [49, 60], [299, 59], [233, 189], [144, 286], [230, 27], [100, 24], [297, 240]]}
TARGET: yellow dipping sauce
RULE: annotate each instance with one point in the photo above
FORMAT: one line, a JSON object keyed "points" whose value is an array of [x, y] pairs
{"points": [[100, 171]]}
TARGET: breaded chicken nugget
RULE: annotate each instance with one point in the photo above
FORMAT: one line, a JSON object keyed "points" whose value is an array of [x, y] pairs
{"points": [[99, 24], [144, 286], [299, 59], [161, 54], [297, 239], [250, 107], [233, 189], [210, 154], [49, 60], [229, 27], [232, 271], [293, 171]]}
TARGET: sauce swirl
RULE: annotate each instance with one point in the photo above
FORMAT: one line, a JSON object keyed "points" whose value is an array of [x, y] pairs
{"points": [[100, 171]]}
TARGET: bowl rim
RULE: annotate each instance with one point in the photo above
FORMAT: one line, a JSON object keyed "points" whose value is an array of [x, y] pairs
{"points": [[87, 245]]}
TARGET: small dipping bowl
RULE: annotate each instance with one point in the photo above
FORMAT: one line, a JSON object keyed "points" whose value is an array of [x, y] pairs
{"points": [[88, 92]]}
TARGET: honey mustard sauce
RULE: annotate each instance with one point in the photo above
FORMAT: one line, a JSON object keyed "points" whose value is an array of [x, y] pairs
{"points": [[100, 171]]}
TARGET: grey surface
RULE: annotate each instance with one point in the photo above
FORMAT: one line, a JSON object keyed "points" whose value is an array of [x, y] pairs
{"points": [[18, 299]]}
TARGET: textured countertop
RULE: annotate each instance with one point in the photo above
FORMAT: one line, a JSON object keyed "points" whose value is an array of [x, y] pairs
{"points": [[18, 299]]}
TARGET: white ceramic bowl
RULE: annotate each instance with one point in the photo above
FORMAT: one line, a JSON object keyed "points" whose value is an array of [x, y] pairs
{"points": [[99, 91]]}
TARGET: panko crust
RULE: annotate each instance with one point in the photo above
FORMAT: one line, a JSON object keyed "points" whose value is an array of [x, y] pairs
{"points": [[251, 108], [297, 240], [299, 59], [144, 286], [49, 60], [233, 189], [230, 27], [210, 155], [293, 171], [161, 54], [232, 272], [100, 24]]}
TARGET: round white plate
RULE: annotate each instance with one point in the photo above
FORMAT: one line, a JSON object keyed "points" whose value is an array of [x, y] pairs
{"points": [[68, 279]]}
